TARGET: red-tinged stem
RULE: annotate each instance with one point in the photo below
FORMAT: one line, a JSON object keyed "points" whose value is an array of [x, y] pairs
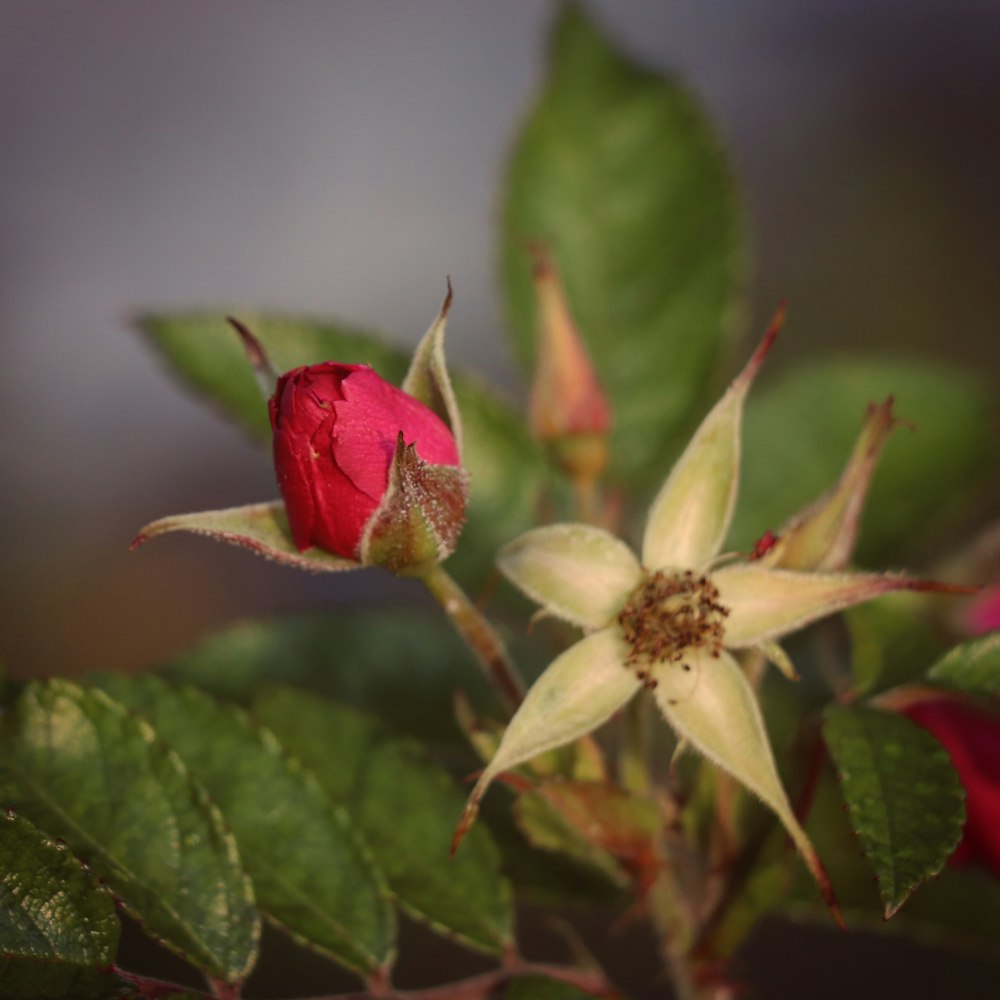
{"points": [[224, 991], [487, 983], [479, 636], [154, 989]]}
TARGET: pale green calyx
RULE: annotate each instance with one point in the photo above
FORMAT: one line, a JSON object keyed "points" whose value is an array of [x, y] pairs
{"points": [[665, 624]]}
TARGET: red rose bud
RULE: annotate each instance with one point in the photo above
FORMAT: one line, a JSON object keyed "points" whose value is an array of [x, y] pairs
{"points": [[972, 738], [352, 451], [569, 409]]}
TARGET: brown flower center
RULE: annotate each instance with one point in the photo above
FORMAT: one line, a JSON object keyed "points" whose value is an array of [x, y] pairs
{"points": [[670, 615]]}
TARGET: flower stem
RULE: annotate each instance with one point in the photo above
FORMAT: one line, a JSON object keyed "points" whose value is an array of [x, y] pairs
{"points": [[479, 635]]}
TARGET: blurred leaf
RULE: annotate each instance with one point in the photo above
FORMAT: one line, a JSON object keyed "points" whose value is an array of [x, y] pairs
{"points": [[507, 475], [892, 639], [204, 353], [58, 927], [543, 988], [904, 798], [545, 827], [765, 890], [310, 869], [540, 877], [960, 908], [799, 431], [201, 349], [407, 808], [402, 665], [595, 823], [98, 777], [617, 170], [973, 667]]}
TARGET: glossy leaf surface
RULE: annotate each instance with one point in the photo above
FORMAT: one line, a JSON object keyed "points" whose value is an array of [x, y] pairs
{"points": [[904, 799], [58, 927], [311, 871], [406, 806], [99, 777]]}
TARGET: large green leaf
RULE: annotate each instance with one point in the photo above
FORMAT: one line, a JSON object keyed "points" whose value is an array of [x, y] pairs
{"points": [[505, 466], [403, 665], [973, 667], [58, 928], [95, 775], [311, 871], [799, 431], [904, 799], [407, 807], [617, 170]]}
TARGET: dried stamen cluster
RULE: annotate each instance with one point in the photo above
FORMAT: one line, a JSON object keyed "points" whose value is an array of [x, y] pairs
{"points": [[669, 615]]}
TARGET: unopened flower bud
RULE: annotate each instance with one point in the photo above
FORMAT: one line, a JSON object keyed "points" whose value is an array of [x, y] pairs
{"points": [[345, 440], [569, 410]]}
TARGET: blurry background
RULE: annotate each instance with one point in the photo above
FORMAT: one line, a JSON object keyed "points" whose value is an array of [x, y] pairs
{"points": [[340, 159]]}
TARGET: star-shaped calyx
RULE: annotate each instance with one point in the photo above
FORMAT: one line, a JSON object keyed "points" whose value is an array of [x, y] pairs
{"points": [[667, 623]]}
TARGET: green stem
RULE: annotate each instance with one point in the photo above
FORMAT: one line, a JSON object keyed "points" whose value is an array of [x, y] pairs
{"points": [[633, 761], [479, 635], [666, 911]]}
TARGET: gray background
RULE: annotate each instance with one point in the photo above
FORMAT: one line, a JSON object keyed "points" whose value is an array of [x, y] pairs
{"points": [[342, 158]]}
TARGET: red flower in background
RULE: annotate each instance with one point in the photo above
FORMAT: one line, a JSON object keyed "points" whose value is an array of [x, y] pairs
{"points": [[335, 434], [984, 612], [971, 736]]}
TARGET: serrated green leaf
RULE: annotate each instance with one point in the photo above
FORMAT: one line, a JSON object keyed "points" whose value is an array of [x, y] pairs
{"points": [[96, 775], [973, 667], [905, 800], [311, 871], [407, 807], [403, 666], [798, 432], [58, 927], [202, 351], [617, 170]]}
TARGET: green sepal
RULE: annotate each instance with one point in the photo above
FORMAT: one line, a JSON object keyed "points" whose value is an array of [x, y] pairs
{"points": [[428, 379], [260, 527], [418, 522]]}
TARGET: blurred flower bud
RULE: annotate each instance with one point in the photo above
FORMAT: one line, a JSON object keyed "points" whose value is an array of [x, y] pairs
{"points": [[971, 736], [984, 613], [350, 451], [569, 410]]}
